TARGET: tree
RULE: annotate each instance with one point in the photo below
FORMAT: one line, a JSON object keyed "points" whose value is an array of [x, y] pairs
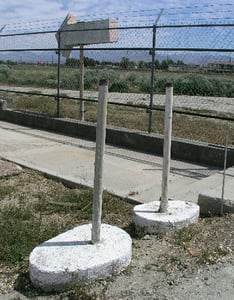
{"points": [[126, 63], [72, 62], [164, 65], [89, 62]]}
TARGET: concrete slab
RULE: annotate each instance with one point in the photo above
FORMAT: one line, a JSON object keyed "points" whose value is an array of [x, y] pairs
{"points": [[179, 215], [128, 174], [70, 257], [210, 199], [215, 104]]}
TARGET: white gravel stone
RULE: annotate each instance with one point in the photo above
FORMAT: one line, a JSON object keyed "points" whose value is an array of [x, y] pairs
{"points": [[70, 257], [179, 214]]}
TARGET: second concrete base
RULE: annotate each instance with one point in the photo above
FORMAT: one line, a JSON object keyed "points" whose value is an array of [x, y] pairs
{"points": [[180, 214], [70, 257]]}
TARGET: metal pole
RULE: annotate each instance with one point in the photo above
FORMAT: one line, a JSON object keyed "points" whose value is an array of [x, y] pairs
{"points": [[99, 155], [166, 147], [81, 82], [58, 75], [150, 109], [224, 171]]}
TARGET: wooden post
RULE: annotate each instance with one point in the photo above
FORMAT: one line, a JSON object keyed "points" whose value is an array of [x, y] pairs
{"points": [[166, 147], [99, 155]]}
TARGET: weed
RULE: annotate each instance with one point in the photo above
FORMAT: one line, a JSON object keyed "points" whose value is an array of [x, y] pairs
{"points": [[211, 256], [82, 291], [5, 191], [136, 231], [20, 233], [184, 235]]}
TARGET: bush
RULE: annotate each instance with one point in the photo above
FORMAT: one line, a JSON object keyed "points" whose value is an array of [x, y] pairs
{"points": [[91, 79], [160, 84], [193, 85], [144, 85], [119, 86], [111, 75], [5, 71], [133, 77]]}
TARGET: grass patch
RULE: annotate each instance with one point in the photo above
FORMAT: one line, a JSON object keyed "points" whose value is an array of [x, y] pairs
{"points": [[184, 236], [197, 128], [211, 256], [39, 208], [201, 243], [21, 232], [6, 191]]}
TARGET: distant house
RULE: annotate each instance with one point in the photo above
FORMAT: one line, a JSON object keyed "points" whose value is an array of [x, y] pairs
{"points": [[191, 68], [41, 62], [221, 67]]}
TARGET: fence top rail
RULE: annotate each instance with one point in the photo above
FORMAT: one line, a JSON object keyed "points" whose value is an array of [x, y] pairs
{"points": [[121, 28], [171, 49], [74, 30]]}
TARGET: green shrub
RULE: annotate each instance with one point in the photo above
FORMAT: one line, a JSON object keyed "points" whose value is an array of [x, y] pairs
{"points": [[193, 85], [144, 85], [133, 77], [160, 84], [119, 86], [91, 79], [5, 72], [111, 75]]}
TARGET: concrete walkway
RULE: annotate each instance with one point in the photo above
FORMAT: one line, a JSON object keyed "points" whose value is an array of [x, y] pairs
{"points": [[129, 174], [211, 104]]}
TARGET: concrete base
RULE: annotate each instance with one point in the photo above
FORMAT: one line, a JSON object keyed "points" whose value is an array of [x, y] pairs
{"points": [[70, 257], [179, 214]]}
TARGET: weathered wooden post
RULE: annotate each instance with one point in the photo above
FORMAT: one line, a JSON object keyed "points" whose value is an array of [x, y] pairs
{"points": [[166, 147], [100, 149]]}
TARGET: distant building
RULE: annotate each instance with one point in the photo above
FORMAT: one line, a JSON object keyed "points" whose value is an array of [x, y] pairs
{"points": [[190, 68], [41, 62], [220, 67]]}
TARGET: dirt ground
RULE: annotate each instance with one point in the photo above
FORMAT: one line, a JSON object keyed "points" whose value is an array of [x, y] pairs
{"points": [[193, 263]]}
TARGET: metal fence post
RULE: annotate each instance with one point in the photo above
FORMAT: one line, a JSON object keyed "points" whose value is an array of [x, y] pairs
{"points": [[81, 82], [99, 155], [58, 74], [150, 109], [166, 147], [224, 171]]}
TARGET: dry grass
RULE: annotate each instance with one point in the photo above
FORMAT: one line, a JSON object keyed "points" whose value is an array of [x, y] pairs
{"points": [[196, 128], [34, 208]]}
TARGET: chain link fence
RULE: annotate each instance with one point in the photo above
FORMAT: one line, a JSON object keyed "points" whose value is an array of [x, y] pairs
{"points": [[150, 49]]}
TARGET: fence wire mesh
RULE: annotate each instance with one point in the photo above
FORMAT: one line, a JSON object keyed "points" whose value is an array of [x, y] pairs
{"points": [[153, 47]]}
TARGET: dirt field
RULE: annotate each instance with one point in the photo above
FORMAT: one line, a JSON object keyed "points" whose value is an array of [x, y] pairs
{"points": [[192, 263]]}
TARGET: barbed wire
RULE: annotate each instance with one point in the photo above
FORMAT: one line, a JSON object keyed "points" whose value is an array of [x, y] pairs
{"points": [[194, 14]]}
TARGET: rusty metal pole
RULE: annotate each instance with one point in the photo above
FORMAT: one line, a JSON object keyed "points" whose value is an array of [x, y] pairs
{"points": [[99, 157], [166, 147]]}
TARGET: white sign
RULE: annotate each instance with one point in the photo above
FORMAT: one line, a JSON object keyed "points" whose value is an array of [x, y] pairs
{"points": [[74, 33]]}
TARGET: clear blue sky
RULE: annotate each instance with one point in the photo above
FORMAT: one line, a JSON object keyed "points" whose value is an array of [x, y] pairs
{"points": [[14, 11]]}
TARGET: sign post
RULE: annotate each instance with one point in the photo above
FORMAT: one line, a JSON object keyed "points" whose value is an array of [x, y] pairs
{"points": [[72, 34]]}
